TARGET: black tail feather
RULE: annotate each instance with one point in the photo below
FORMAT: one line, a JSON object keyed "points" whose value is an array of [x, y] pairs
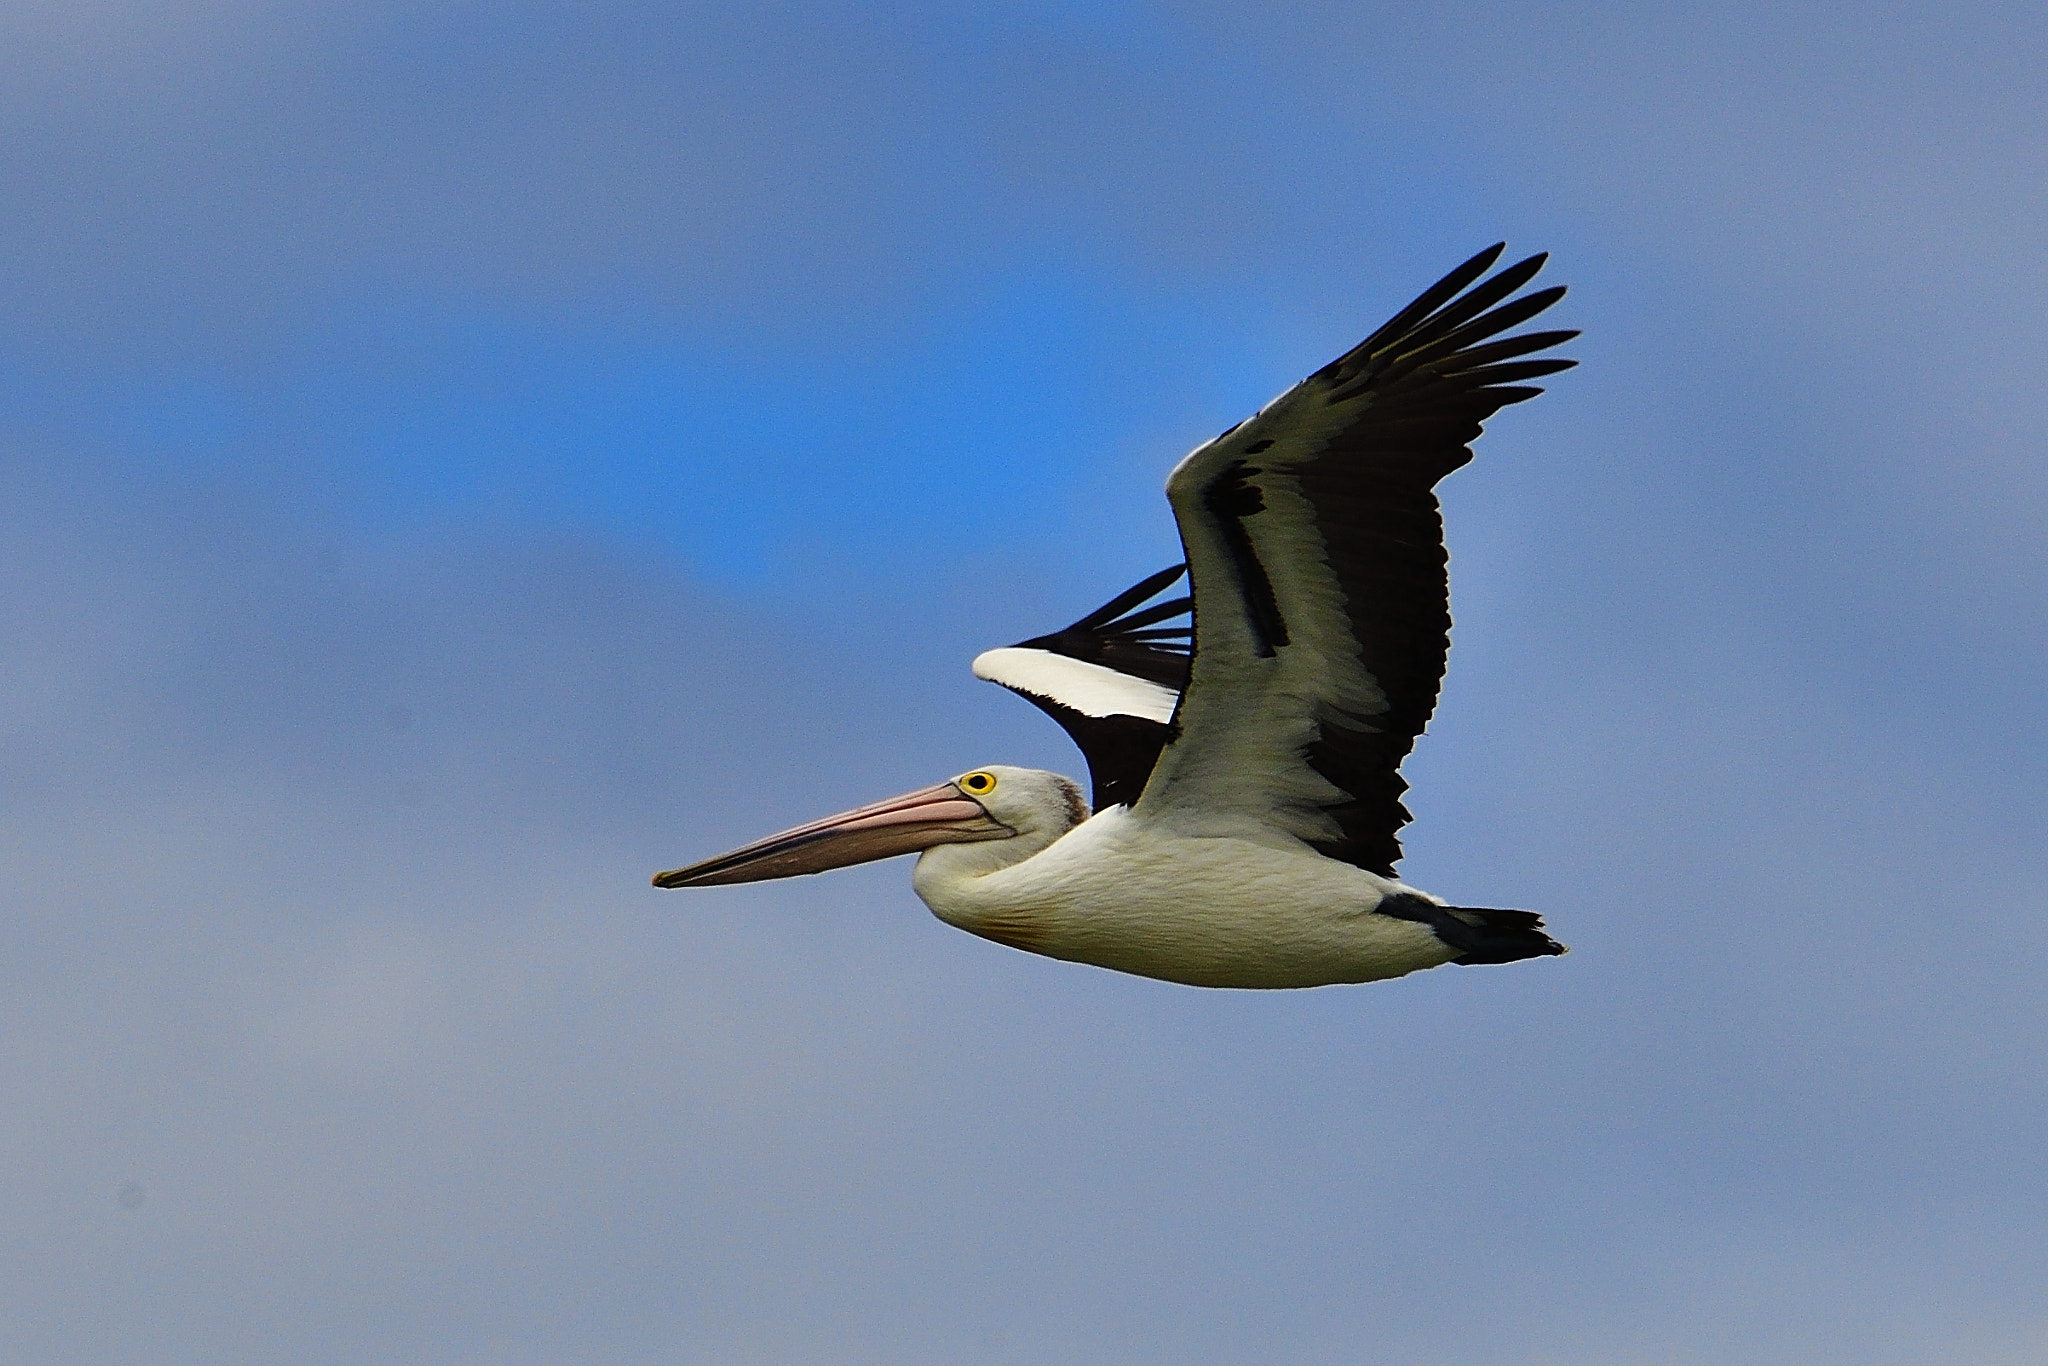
{"points": [[1480, 935]]}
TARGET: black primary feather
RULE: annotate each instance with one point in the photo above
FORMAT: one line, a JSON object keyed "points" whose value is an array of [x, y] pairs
{"points": [[1109, 637]]}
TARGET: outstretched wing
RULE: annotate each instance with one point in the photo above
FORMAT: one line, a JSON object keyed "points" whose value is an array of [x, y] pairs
{"points": [[1316, 556], [1112, 680]]}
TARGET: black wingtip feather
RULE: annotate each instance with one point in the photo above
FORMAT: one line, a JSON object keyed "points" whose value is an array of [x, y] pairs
{"points": [[1450, 340], [1158, 612], [1129, 598], [1424, 304], [1514, 370], [1486, 325], [1481, 298], [1507, 348]]}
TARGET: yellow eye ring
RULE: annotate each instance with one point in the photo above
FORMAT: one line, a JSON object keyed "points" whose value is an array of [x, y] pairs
{"points": [[978, 784]]}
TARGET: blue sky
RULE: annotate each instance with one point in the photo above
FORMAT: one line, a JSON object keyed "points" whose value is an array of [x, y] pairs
{"points": [[460, 459]]}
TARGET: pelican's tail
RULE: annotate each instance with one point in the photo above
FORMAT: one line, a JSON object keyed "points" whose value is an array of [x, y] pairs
{"points": [[1478, 934]]}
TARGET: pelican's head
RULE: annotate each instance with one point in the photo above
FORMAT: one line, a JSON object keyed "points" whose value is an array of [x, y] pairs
{"points": [[1027, 805], [1029, 801]]}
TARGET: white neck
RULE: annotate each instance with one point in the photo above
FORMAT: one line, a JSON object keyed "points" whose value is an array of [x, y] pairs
{"points": [[947, 875]]}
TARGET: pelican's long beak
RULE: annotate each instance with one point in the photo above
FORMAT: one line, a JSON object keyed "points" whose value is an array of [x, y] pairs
{"points": [[900, 825]]}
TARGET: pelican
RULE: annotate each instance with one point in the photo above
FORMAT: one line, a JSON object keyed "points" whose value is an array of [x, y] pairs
{"points": [[1244, 767]]}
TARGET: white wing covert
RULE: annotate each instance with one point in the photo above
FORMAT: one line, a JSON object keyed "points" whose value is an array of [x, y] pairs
{"points": [[1112, 681]]}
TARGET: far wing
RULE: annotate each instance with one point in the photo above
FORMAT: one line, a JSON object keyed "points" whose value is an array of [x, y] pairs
{"points": [[1315, 551], [1112, 680]]}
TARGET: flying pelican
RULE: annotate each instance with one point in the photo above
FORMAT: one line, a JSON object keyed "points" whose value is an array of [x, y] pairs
{"points": [[1247, 793]]}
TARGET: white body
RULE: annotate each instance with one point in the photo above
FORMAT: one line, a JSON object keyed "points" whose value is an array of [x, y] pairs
{"points": [[1123, 892]]}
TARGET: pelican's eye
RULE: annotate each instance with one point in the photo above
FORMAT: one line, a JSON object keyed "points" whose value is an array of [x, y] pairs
{"points": [[978, 784]]}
